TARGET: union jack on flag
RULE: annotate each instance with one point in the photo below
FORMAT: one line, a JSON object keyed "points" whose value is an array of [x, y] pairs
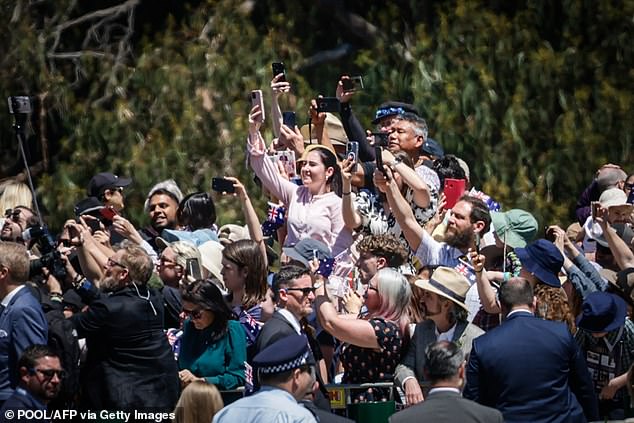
{"points": [[275, 218]]}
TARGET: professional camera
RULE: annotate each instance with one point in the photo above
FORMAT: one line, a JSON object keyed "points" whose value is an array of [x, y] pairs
{"points": [[51, 258]]}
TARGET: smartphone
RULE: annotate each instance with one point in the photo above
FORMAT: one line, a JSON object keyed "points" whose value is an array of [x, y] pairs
{"points": [[193, 268], [289, 119], [108, 213], [352, 153], [328, 104], [453, 189], [93, 224], [594, 209], [354, 83], [381, 139], [278, 68], [379, 159], [257, 100], [222, 185]]}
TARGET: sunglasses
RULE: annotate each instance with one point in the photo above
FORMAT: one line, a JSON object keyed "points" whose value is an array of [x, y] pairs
{"points": [[12, 214], [49, 373], [305, 291], [194, 314]]}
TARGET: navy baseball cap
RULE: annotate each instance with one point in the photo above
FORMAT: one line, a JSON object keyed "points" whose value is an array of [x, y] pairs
{"points": [[393, 108], [105, 180]]}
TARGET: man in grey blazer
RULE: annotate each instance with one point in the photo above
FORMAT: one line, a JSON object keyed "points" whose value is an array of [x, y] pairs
{"points": [[446, 319], [445, 368]]}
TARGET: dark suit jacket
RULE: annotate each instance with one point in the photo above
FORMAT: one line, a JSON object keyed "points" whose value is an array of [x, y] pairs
{"points": [[413, 362], [22, 324], [277, 327], [130, 363], [447, 407], [531, 370]]}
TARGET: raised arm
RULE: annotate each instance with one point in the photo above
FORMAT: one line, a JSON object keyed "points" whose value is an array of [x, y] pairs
{"points": [[262, 166], [352, 126], [620, 250], [277, 89], [351, 218], [400, 208], [409, 176], [485, 290]]}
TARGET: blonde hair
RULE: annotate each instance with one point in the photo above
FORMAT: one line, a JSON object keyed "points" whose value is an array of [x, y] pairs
{"points": [[395, 295], [198, 403], [15, 194]]}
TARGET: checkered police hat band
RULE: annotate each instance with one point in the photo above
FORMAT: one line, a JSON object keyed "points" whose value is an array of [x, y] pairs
{"points": [[283, 367]]}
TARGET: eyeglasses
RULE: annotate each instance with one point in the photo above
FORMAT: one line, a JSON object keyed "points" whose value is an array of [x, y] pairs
{"points": [[117, 189], [111, 263], [305, 291], [373, 288], [163, 262], [12, 214], [49, 373], [194, 314]]}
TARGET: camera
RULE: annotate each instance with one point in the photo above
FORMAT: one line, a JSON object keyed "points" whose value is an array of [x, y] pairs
{"points": [[328, 104], [51, 258], [381, 139], [19, 104]]}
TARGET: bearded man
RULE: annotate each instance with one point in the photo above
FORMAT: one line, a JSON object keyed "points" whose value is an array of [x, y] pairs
{"points": [[130, 364]]}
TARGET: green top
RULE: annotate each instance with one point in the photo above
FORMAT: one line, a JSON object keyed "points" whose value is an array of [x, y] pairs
{"points": [[220, 362]]}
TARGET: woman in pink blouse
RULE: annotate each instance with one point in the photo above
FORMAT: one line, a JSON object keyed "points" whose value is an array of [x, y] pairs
{"points": [[314, 208]]}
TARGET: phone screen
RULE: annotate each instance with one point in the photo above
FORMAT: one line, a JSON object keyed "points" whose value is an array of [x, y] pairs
{"points": [[222, 185], [278, 68], [289, 119], [193, 268]]}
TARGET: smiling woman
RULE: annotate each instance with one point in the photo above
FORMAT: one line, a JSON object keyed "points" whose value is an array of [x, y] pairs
{"points": [[314, 208], [213, 347]]}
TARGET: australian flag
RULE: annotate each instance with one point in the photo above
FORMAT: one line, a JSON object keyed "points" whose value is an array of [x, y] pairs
{"points": [[490, 202], [275, 218]]}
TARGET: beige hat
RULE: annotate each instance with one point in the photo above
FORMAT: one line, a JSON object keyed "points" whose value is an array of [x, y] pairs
{"points": [[211, 254], [336, 133], [448, 283], [312, 147], [613, 197], [231, 232]]}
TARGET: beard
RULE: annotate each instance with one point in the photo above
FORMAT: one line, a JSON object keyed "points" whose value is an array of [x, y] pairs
{"points": [[109, 284], [459, 239]]}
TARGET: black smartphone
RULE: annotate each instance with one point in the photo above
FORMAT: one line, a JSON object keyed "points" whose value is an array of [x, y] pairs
{"points": [[381, 139], [278, 68], [379, 159], [352, 153], [328, 104], [594, 209], [222, 185], [193, 268], [354, 83], [289, 119]]}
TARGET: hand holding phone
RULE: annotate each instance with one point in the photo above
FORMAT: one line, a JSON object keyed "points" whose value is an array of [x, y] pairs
{"points": [[352, 153], [453, 189], [193, 269], [378, 154], [289, 119], [222, 185], [278, 68], [354, 83], [257, 100]]}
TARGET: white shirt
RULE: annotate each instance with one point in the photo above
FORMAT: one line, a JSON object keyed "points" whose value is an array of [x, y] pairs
{"points": [[6, 300], [445, 336], [291, 319]]}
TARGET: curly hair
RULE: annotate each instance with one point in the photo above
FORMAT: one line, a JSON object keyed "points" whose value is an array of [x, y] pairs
{"points": [[552, 304], [386, 246]]}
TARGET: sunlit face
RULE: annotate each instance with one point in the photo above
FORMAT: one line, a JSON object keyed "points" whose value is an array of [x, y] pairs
{"points": [[115, 273], [460, 229], [15, 223], [368, 265], [114, 197], [168, 270], [315, 174], [44, 380], [199, 316], [300, 304], [620, 214], [162, 209], [403, 138], [372, 299], [233, 275]]}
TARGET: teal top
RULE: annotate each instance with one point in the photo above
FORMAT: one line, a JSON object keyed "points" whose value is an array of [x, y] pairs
{"points": [[220, 362]]}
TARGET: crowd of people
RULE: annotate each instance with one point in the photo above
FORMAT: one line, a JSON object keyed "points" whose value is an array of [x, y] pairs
{"points": [[369, 267]]}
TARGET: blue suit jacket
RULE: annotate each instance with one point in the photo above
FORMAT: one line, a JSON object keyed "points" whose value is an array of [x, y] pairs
{"points": [[22, 324], [531, 370]]}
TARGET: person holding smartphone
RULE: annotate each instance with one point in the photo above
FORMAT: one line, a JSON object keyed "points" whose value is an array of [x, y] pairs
{"points": [[314, 208]]}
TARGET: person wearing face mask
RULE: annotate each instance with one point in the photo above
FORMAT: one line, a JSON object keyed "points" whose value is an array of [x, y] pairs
{"points": [[314, 208]]}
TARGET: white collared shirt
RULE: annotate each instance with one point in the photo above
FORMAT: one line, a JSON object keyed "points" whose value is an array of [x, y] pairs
{"points": [[519, 310], [6, 300], [445, 336], [444, 389], [291, 319]]}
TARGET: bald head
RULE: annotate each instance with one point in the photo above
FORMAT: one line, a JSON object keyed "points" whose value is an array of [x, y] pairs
{"points": [[610, 177]]}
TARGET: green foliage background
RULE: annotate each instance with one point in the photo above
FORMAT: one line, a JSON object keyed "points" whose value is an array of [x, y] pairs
{"points": [[535, 96]]}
